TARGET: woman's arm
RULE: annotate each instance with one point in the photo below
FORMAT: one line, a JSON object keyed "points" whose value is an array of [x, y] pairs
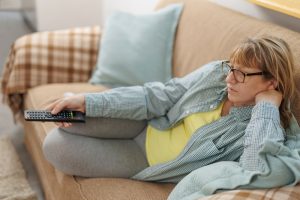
{"points": [[152, 100], [264, 124], [149, 101], [137, 102]]}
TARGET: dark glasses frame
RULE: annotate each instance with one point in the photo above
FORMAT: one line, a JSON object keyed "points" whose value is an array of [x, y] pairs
{"points": [[226, 64]]}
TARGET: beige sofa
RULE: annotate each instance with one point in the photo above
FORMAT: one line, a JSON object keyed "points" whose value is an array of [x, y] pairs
{"points": [[205, 32]]}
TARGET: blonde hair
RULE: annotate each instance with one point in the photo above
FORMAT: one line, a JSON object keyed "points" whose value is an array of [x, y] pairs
{"points": [[273, 56]]}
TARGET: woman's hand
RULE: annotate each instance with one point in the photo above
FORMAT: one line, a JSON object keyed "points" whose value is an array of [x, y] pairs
{"points": [[272, 96], [74, 102]]}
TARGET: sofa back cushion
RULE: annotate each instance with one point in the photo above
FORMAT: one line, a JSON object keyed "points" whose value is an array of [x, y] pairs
{"points": [[207, 32], [135, 49]]}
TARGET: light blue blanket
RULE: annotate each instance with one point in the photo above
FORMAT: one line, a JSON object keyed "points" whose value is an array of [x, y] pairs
{"points": [[282, 168]]}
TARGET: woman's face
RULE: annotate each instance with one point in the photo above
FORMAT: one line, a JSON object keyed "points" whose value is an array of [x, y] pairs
{"points": [[243, 94]]}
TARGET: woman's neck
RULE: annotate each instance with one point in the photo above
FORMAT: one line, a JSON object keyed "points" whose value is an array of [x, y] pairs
{"points": [[226, 107]]}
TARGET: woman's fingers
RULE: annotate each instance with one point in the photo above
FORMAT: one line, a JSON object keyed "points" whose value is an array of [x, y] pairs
{"points": [[63, 124], [47, 104], [52, 105], [59, 106], [67, 124], [74, 102], [272, 96]]}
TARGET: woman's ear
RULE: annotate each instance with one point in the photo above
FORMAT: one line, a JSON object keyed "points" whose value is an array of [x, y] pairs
{"points": [[273, 84]]}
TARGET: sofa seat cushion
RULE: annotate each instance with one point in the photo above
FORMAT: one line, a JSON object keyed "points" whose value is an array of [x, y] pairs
{"points": [[51, 92], [81, 188]]}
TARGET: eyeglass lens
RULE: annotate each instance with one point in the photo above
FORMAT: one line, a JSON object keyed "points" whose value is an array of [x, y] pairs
{"points": [[238, 75]]}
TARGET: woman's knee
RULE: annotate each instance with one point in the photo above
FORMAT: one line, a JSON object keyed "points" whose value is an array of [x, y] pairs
{"points": [[56, 150]]}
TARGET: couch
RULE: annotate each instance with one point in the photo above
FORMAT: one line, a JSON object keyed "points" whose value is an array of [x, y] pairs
{"points": [[43, 66]]}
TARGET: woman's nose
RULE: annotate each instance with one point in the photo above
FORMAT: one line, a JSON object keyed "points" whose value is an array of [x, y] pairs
{"points": [[230, 78]]}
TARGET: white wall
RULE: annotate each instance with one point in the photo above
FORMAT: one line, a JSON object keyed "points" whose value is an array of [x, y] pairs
{"points": [[10, 4], [133, 6], [259, 12], [60, 14]]}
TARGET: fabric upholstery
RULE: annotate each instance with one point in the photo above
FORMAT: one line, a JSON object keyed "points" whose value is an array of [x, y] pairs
{"points": [[288, 193]]}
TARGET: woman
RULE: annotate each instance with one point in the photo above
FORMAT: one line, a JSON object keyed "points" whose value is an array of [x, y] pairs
{"points": [[222, 111]]}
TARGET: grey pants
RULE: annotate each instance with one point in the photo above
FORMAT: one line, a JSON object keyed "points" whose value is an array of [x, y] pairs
{"points": [[101, 147]]}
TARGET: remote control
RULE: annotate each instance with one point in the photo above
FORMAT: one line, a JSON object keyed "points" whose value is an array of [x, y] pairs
{"points": [[46, 116]]}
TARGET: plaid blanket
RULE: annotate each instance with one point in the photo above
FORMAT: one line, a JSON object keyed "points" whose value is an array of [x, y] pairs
{"points": [[283, 193], [48, 57]]}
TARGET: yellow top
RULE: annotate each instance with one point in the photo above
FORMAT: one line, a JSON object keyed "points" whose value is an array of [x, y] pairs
{"points": [[163, 146]]}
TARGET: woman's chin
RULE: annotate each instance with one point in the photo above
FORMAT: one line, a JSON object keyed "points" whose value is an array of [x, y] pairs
{"points": [[231, 98], [237, 101]]}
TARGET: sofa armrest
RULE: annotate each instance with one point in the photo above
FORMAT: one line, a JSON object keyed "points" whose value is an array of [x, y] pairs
{"points": [[48, 57]]}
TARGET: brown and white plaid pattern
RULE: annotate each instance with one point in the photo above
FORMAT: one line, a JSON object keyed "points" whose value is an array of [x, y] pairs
{"points": [[48, 57], [282, 193]]}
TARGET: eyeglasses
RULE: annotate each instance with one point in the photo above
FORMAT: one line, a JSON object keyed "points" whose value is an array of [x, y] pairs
{"points": [[239, 76]]}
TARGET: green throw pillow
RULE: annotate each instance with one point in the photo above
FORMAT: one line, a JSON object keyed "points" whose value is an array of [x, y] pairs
{"points": [[135, 49]]}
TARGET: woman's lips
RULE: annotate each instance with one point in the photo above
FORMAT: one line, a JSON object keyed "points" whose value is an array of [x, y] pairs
{"points": [[229, 89]]}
